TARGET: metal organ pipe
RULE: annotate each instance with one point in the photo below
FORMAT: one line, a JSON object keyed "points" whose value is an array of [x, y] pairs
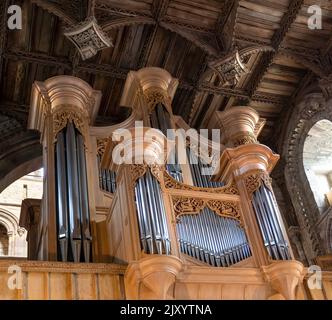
{"points": [[107, 178], [216, 240], [62, 204], [196, 166], [267, 216], [213, 239], [73, 216], [84, 200], [151, 216], [73, 193], [160, 119]]}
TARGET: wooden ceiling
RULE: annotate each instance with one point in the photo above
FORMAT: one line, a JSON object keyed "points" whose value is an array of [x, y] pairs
{"points": [[193, 39]]}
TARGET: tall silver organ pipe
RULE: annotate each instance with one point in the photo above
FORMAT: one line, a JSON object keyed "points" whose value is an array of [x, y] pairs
{"points": [[213, 239], [151, 216], [266, 211], [160, 119], [107, 178], [84, 197], [62, 194], [199, 172], [73, 216]]}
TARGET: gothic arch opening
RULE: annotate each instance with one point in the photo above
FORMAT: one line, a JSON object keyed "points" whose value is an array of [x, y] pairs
{"points": [[317, 162], [13, 237], [4, 241]]}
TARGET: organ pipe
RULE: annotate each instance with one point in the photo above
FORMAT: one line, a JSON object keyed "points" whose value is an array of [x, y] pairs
{"points": [[73, 216], [84, 199], [73, 193], [107, 178], [200, 178], [62, 203], [267, 216], [151, 216], [160, 119], [215, 240], [218, 241]]}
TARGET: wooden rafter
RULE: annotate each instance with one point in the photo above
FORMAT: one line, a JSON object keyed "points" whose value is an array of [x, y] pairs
{"points": [[276, 41], [56, 10]]}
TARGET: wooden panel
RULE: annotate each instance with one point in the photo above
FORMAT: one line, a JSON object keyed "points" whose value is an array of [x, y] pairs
{"points": [[233, 292], [257, 292], [61, 286], [109, 287], [37, 284], [5, 292], [86, 287]]}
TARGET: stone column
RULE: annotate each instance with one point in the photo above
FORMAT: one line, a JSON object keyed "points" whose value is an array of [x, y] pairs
{"points": [[55, 103]]}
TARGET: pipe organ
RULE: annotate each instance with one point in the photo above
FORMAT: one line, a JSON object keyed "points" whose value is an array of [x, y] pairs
{"points": [[151, 215], [107, 178], [72, 210], [143, 194], [266, 209]]}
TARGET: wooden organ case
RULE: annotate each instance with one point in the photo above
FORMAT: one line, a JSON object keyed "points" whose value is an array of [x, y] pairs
{"points": [[189, 217]]}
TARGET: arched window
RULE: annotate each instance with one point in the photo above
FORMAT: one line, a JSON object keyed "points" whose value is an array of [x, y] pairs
{"points": [[317, 162], [13, 237], [4, 241]]}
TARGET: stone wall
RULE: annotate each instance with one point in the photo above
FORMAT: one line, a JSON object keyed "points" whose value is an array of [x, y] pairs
{"points": [[29, 186]]}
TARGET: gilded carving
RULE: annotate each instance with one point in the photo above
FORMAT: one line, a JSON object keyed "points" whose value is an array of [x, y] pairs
{"points": [[183, 205], [228, 209], [61, 118], [171, 183], [101, 146], [188, 205], [254, 180], [157, 171], [154, 96], [137, 171]]}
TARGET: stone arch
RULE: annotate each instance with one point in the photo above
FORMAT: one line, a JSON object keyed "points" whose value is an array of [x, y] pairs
{"points": [[20, 171], [311, 109], [10, 223], [317, 161], [4, 241]]}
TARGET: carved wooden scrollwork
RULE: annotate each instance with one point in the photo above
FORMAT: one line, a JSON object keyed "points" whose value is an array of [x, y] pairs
{"points": [[254, 180], [171, 183], [186, 205], [189, 205], [61, 118], [157, 171], [154, 96], [243, 139], [137, 171], [101, 146], [228, 209]]}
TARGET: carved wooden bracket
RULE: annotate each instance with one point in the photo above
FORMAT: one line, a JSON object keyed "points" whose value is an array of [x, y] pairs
{"points": [[188, 205], [171, 183], [137, 171], [61, 118], [255, 179], [154, 96], [101, 146]]}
